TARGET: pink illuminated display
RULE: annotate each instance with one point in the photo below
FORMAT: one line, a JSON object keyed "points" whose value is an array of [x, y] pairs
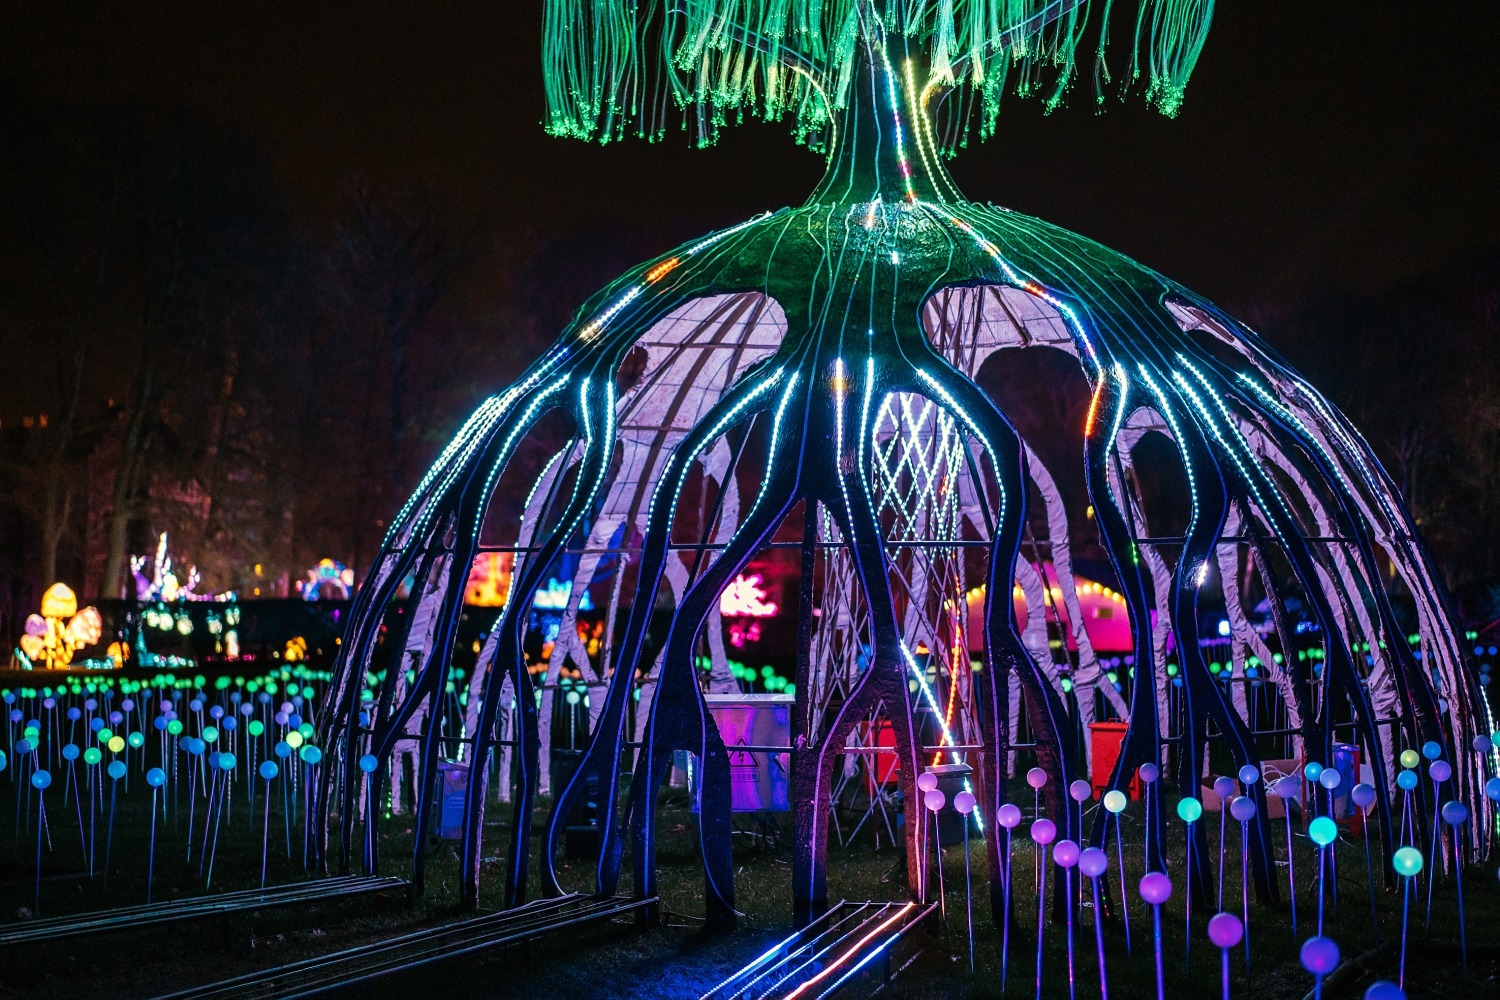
{"points": [[746, 598]]}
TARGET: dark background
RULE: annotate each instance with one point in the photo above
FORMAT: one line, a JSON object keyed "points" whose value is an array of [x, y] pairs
{"points": [[259, 259]]}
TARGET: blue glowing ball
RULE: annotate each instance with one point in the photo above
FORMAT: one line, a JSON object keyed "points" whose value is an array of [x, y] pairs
{"points": [[269, 770], [1407, 780], [1249, 774], [1385, 990], [1314, 771], [283, 748], [116, 769], [1455, 813], [1432, 750], [311, 754], [368, 763], [40, 780], [1320, 955], [156, 777]]}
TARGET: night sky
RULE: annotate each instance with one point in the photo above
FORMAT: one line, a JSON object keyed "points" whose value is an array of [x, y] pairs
{"points": [[1323, 146]]}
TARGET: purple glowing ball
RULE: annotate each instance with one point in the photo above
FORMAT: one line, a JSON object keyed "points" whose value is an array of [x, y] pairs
{"points": [[1385, 990], [1481, 744], [1065, 853], [1223, 787], [964, 802], [1044, 831], [1243, 808], [1440, 771], [1225, 930], [1008, 816], [1287, 787], [926, 781], [1149, 773], [1363, 795], [1156, 888], [1330, 779], [1093, 862], [1249, 775], [1036, 778], [934, 799], [1320, 955], [1080, 791], [1455, 813]]}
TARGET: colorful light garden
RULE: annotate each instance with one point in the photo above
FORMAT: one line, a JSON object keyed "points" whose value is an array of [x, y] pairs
{"points": [[805, 659]]}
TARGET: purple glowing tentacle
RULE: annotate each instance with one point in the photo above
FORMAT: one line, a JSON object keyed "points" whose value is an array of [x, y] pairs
{"points": [[1005, 930], [1099, 942], [1124, 896]]}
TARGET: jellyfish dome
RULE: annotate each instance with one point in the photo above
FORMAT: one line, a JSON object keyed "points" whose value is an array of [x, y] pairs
{"points": [[819, 379]]}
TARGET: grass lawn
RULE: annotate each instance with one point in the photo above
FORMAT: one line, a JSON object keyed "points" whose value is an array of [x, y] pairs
{"points": [[676, 959]]}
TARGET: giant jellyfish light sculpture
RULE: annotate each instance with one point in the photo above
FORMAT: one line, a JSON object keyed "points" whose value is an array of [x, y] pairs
{"points": [[810, 378]]}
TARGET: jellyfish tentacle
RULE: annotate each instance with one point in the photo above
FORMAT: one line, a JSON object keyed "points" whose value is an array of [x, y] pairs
{"points": [[340, 718], [679, 701], [447, 491], [1317, 581], [1340, 675], [884, 684], [593, 414], [743, 400], [1005, 651], [1112, 513], [1211, 495]]}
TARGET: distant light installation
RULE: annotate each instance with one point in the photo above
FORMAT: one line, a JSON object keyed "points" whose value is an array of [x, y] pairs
{"points": [[745, 597]]}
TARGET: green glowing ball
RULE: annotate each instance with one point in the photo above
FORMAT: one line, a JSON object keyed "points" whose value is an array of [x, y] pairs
{"points": [[105, 734], [1407, 861], [116, 744], [256, 727], [1323, 831], [1189, 809], [294, 739], [136, 740], [175, 727], [92, 755], [1115, 801], [1410, 758], [210, 734]]}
